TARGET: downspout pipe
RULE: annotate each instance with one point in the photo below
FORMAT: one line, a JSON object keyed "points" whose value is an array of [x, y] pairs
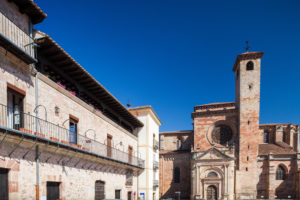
{"points": [[33, 53]]}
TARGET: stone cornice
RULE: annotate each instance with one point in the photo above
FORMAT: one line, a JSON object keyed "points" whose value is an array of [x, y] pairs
{"points": [[209, 112]]}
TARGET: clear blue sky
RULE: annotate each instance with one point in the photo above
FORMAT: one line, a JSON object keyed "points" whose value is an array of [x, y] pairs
{"points": [[175, 55]]}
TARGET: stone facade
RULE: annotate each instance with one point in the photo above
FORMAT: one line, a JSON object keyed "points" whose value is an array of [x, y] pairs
{"points": [[38, 115], [230, 155], [148, 148]]}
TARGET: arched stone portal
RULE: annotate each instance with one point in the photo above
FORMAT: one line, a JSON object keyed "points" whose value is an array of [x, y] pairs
{"points": [[212, 193]]}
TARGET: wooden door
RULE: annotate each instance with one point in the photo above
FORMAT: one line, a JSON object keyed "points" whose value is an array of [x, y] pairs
{"points": [[128, 195], [99, 190], [3, 184], [212, 193], [53, 190], [109, 144]]}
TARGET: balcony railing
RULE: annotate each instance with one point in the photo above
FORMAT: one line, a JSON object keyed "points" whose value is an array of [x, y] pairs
{"points": [[28, 124], [16, 35], [155, 144], [155, 183], [155, 165]]}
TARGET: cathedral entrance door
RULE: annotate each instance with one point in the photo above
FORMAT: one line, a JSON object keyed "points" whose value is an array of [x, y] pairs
{"points": [[212, 193]]}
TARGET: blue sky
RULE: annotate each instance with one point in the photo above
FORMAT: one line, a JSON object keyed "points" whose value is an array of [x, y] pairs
{"points": [[175, 55]]}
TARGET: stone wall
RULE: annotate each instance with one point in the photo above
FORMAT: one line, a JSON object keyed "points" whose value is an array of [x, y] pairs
{"points": [[167, 163]]}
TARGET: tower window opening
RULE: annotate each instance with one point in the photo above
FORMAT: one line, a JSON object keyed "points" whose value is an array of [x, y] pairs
{"points": [[266, 137], [250, 66]]}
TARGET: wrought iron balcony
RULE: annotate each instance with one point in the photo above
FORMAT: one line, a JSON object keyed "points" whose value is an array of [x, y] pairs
{"points": [[155, 183], [16, 40], [155, 165], [28, 125]]}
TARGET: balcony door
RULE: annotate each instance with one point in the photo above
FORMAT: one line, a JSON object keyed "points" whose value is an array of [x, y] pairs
{"points": [[14, 109], [109, 145], [130, 154], [73, 131]]}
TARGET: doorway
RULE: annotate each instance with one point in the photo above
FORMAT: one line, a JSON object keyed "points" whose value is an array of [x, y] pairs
{"points": [[53, 190], [212, 193]]}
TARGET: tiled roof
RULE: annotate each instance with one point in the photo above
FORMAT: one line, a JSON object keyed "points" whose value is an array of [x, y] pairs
{"points": [[278, 148], [31, 9]]}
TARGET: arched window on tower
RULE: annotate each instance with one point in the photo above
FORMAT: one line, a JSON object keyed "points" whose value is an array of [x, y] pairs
{"points": [[266, 137], [284, 139], [176, 175], [250, 66], [178, 144], [280, 173]]}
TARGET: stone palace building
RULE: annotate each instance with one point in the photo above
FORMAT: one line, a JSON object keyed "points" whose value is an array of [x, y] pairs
{"points": [[62, 134], [229, 154]]}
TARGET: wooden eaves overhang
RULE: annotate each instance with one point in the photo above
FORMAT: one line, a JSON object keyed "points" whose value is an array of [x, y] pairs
{"points": [[31, 9], [49, 49]]}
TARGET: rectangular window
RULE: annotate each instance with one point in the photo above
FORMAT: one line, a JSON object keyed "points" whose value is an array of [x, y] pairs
{"points": [[117, 194], [99, 190], [109, 145], [3, 183], [73, 129], [161, 142], [53, 190], [15, 115]]}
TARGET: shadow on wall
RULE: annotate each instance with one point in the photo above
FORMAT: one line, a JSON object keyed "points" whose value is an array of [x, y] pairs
{"points": [[284, 189], [179, 184], [64, 161]]}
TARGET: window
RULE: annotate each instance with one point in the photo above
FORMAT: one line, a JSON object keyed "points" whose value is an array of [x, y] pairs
{"points": [[53, 190], [161, 142], [284, 137], [212, 174], [178, 144], [3, 183], [117, 194], [176, 175], [129, 177], [99, 190], [280, 173], [73, 129], [250, 66], [222, 134], [266, 137], [15, 109]]}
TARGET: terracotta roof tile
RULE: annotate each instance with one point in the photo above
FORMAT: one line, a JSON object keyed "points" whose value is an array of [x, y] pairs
{"points": [[279, 148]]}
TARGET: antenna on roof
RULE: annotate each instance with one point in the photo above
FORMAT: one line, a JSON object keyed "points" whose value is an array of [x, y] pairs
{"points": [[128, 104], [247, 46]]}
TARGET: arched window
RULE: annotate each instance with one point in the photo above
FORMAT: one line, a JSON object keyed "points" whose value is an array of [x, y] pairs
{"points": [[284, 139], [178, 144], [280, 173], [250, 66], [266, 137], [176, 175], [212, 174]]}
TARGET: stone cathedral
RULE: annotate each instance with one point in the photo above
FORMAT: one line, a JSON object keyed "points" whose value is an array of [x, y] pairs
{"points": [[229, 154]]}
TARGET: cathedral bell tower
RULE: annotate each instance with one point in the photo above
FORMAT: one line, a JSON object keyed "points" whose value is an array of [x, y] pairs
{"points": [[247, 84]]}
